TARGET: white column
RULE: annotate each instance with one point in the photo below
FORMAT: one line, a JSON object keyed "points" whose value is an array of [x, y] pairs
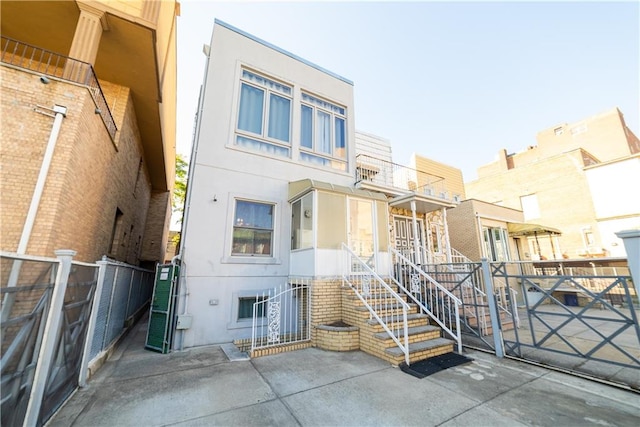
{"points": [[416, 247], [631, 239], [446, 234], [86, 39]]}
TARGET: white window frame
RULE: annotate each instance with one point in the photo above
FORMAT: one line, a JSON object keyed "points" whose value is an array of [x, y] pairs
{"points": [[310, 214], [227, 257], [334, 110], [234, 321], [272, 86]]}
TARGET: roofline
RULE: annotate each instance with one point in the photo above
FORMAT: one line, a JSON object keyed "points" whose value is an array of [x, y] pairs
{"points": [[282, 51]]}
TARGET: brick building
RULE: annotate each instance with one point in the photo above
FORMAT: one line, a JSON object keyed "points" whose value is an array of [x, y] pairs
{"points": [[88, 127], [559, 183]]}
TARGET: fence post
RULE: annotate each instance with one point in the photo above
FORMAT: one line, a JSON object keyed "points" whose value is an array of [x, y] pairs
{"points": [[49, 339], [631, 240], [86, 353], [493, 309]]}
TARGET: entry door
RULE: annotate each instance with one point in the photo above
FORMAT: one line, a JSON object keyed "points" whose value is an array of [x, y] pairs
{"points": [[403, 230], [362, 230]]}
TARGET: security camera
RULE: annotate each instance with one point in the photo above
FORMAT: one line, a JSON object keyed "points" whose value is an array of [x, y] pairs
{"points": [[44, 80]]}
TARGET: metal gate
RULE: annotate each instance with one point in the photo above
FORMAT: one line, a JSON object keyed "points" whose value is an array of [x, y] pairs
{"points": [[161, 316], [587, 323]]}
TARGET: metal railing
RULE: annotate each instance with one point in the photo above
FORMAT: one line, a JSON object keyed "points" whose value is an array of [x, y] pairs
{"points": [[384, 304], [125, 290], [433, 298], [282, 316], [52, 64], [394, 176]]}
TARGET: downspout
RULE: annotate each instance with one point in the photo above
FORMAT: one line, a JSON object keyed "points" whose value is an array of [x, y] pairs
{"points": [[59, 113], [416, 248], [446, 234], [183, 288], [483, 253]]}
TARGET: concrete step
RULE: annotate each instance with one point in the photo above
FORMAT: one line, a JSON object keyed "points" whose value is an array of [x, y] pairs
{"points": [[421, 350], [415, 334], [411, 331], [414, 316]]}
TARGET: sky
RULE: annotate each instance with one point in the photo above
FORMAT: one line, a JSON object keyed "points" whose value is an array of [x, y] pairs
{"points": [[453, 81]]}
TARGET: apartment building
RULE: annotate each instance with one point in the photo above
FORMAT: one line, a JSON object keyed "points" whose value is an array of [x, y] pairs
{"points": [[566, 182], [88, 127]]}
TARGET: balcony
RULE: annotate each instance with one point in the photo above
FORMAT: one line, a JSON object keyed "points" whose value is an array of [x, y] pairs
{"points": [[404, 183], [51, 64]]}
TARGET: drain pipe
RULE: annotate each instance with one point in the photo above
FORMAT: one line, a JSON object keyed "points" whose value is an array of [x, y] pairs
{"points": [[58, 112]]}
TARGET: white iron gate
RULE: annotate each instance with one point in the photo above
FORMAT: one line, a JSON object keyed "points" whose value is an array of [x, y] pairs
{"points": [[282, 315]]}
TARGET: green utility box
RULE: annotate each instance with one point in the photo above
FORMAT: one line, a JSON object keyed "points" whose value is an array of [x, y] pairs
{"points": [[163, 304]]}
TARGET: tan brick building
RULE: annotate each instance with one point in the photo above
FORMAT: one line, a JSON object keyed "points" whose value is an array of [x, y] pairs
{"points": [[549, 183], [89, 91]]}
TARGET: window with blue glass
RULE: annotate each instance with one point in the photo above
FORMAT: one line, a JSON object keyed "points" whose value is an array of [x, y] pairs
{"points": [[264, 114], [323, 133]]}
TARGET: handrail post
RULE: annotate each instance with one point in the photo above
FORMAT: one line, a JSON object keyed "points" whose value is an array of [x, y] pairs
{"points": [[493, 309], [51, 333]]}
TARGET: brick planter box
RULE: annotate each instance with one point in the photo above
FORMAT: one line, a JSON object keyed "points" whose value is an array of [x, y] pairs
{"points": [[337, 338]]}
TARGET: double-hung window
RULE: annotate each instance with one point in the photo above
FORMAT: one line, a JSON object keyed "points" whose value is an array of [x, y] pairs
{"points": [[264, 115], [323, 133], [253, 229]]}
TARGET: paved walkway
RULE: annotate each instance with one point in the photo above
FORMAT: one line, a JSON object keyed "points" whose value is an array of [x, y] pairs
{"points": [[313, 387]]}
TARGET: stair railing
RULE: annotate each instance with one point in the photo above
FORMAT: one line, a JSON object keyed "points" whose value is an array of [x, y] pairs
{"points": [[433, 298], [383, 303]]}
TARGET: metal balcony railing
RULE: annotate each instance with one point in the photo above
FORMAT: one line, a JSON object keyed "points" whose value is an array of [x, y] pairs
{"points": [[394, 176], [61, 67]]}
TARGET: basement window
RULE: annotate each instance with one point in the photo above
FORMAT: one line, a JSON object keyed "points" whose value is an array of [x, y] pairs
{"points": [[245, 307]]}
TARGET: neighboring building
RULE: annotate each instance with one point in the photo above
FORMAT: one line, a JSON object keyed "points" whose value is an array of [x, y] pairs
{"points": [[89, 92], [567, 182], [616, 200], [481, 230], [450, 177], [279, 180]]}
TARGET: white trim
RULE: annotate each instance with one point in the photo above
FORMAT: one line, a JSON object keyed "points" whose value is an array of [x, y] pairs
{"points": [[278, 207]]}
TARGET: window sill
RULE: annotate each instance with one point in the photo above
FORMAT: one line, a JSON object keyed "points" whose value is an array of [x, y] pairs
{"points": [[240, 324], [250, 260]]}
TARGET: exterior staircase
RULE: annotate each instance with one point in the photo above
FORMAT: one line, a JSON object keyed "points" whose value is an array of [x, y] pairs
{"points": [[425, 340]]}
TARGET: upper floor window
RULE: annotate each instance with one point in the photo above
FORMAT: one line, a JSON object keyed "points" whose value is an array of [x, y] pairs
{"points": [[323, 133], [264, 116], [252, 228]]}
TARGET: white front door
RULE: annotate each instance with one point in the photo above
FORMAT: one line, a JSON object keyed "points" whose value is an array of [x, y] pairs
{"points": [[403, 234]]}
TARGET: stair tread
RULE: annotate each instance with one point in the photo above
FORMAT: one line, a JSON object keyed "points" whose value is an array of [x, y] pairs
{"points": [[420, 346], [393, 306], [409, 317], [412, 331]]}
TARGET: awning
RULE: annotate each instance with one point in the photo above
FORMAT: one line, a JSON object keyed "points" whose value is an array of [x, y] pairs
{"points": [[531, 230], [299, 188]]}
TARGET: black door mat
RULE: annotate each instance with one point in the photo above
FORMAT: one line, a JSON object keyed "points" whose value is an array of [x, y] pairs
{"points": [[424, 368]]}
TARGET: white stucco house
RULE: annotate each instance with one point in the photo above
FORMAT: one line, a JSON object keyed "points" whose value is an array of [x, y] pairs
{"points": [[282, 185], [274, 147]]}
